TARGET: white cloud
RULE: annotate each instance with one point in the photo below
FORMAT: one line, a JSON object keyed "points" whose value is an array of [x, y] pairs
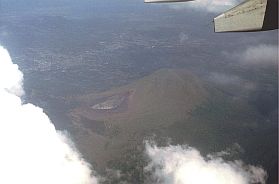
{"points": [[183, 165], [232, 83], [10, 77], [32, 151], [183, 37], [259, 55], [214, 6], [222, 78]]}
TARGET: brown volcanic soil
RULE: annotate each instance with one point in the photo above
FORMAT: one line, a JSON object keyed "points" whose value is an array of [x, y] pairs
{"points": [[149, 104]]}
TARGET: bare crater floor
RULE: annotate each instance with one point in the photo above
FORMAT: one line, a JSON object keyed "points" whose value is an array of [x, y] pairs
{"points": [[109, 123]]}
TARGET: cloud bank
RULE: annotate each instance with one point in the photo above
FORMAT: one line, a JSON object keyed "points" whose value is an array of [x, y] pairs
{"points": [[224, 79], [181, 165], [32, 151], [231, 80], [259, 55], [214, 6]]}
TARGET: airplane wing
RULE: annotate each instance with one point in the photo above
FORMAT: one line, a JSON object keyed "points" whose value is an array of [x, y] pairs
{"points": [[251, 15], [165, 1]]}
